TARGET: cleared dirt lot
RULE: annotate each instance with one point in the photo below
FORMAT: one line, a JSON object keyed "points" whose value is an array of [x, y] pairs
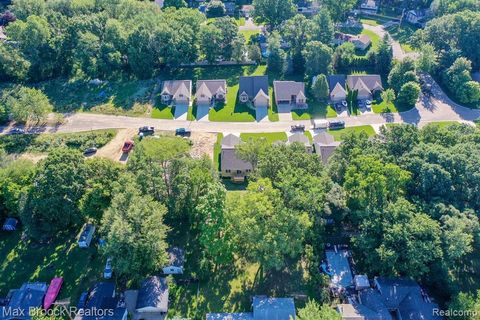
{"points": [[202, 144], [113, 149]]}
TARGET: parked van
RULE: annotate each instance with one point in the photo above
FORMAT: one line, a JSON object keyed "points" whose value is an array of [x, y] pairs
{"points": [[320, 124]]}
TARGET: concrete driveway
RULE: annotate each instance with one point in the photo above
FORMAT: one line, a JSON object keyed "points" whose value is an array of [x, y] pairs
{"points": [[284, 112], [202, 112], [261, 114], [181, 112]]}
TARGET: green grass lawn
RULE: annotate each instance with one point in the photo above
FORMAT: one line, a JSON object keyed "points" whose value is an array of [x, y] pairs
{"points": [[240, 21], [338, 134], [269, 136], [248, 34], [38, 143], [403, 34], [162, 112], [26, 261], [217, 148], [315, 110], [374, 37], [124, 97]]}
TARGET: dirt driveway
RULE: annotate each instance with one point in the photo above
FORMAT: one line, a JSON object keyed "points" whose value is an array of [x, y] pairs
{"points": [[113, 149], [202, 144]]}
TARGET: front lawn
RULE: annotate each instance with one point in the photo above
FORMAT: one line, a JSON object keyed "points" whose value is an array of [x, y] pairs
{"points": [[403, 34], [316, 110], [162, 111], [271, 137], [248, 34], [24, 261], [338, 134]]}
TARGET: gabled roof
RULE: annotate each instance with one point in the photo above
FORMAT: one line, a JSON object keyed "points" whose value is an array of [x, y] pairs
{"points": [[371, 81], [284, 90], [335, 79], [100, 292], [153, 293], [230, 141], [260, 94], [324, 138], [361, 87], [211, 87], [273, 308], [175, 87], [251, 85], [299, 137], [30, 295], [338, 90]]}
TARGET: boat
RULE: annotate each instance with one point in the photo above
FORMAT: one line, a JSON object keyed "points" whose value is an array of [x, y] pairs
{"points": [[52, 292]]}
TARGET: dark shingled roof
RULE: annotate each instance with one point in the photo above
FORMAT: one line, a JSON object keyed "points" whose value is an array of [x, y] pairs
{"points": [[153, 293], [284, 90], [273, 308], [251, 85], [369, 79], [30, 295], [336, 78]]}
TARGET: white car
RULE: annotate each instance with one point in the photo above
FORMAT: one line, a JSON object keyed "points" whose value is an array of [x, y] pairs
{"points": [[368, 104]]}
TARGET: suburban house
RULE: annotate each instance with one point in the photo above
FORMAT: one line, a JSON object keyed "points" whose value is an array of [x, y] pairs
{"points": [[290, 93], [361, 41], [230, 8], [246, 10], [417, 17], [150, 301], [337, 87], [254, 90], [102, 298], [176, 260], [308, 8], [300, 137], [366, 85], [369, 5], [22, 301], [390, 299], [230, 165], [176, 92], [211, 91], [264, 308], [337, 267], [325, 145]]}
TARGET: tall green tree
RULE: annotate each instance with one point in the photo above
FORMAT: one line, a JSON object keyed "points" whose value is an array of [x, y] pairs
{"points": [[318, 58], [315, 311], [266, 231], [134, 232], [428, 60], [297, 31], [384, 56], [52, 204], [273, 12], [211, 38], [408, 94], [320, 88], [276, 62], [401, 73], [324, 28], [27, 104]]}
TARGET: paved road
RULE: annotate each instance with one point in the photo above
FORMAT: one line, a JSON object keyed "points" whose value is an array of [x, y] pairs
{"points": [[437, 108], [398, 52]]}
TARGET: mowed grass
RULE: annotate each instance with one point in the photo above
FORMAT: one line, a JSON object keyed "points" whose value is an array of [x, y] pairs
{"points": [[316, 110], [123, 97], [339, 134], [270, 137], [403, 34], [248, 34], [22, 261], [161, 111], [374, 37]]}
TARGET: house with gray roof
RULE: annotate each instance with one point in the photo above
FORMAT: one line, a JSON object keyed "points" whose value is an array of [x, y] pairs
{"points": [[102, 304], [211, 91], [230, 165], [254, 90], [176, 92], [390, 299], [290, 93], [22, 301], [366, 85], [337, 84], [300, 138], [324, 144], [150, 301], [264, 308]]}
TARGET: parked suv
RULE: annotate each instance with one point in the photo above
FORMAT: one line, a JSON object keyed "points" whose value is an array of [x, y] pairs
{"points": [[338, 124]]}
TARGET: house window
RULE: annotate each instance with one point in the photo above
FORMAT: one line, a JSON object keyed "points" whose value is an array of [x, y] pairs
{"points": [[202, 95], [243, 98], [248, 170], [228, 171], [239, 171], [165, 97], [180, 95]]}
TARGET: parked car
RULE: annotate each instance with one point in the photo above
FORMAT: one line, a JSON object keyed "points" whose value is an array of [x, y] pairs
{"points": [[17, 131], [146, 130], [344, 103], [127, 146], [90, 151], [320, 124], [107, 273], [337, 124], [298, 127], [182, 132]]}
